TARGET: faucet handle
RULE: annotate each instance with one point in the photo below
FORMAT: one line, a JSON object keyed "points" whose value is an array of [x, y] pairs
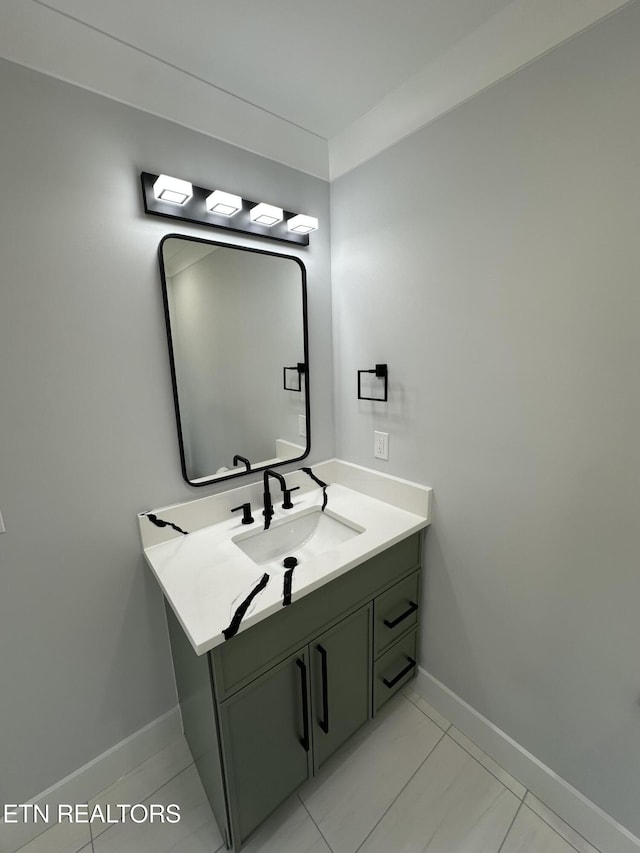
{"points": [[247, 518], [287, 497]]}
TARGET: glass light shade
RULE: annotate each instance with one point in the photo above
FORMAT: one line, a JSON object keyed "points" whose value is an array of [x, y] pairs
{"points": [[265, 214], [224, 204], [173, 190], [302, 224]]}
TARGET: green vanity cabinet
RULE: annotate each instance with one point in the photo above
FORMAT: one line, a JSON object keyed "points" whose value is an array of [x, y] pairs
{"points": [[292, 718], [265, 710], [341, 683], [264, 726]]}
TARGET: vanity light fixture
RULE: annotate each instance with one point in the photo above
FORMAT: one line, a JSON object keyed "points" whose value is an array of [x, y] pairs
{"points": [[302, 224], [172, 190], [224, 204], [173, 198], [265, 214]]}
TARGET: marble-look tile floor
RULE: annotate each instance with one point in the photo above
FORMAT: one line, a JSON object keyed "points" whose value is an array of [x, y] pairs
{"points": [[408, 782]]}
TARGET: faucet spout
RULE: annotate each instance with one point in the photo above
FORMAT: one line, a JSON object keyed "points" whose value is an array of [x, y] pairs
{"points": [[268, 503], [237, 458]]}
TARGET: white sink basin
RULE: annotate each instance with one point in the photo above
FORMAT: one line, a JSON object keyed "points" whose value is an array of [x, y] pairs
{"points": [[303, 536]]}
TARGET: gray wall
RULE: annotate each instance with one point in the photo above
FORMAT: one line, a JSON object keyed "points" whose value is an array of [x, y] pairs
{"points": [[493, 260], [87, 426]]}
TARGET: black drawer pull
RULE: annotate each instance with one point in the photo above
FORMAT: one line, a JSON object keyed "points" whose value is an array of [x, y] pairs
{"points": [[304, 740], [412, 609], [407, 669], [324, 724]]}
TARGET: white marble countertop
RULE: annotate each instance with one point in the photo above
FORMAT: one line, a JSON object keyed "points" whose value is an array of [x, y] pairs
{"points": [[205, 575]]}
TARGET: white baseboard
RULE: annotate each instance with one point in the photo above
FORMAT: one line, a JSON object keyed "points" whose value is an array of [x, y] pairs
{"points": [[88, 781], [585, 817], [601, 830]]}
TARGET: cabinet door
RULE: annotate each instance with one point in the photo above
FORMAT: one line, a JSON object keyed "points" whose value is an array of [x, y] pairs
{"points": [[266, 743], [340, 683]]}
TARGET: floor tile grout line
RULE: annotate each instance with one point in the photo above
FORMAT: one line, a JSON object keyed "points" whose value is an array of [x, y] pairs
{"points": [[59, 823], [444, 732], [448, 729], [510, 827], [53, 826], [175, 776], [415, 705], [39, 835], [487, 769], [314, 823], [586, 840], [93, 849], [426, 758], [90, 830], [146, 799], [155, 791]]}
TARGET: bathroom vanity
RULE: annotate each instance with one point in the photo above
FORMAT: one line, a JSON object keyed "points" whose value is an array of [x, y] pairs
{"points": [[264, 710]]}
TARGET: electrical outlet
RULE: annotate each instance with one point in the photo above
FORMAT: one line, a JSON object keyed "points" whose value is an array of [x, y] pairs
{"points": [[381, 445], [302, 425], [3, 529]]}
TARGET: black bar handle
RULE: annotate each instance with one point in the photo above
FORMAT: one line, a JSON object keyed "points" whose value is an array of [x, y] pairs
{"points": [[407, 669], [412, 609], [304, 740], [324, 723]]}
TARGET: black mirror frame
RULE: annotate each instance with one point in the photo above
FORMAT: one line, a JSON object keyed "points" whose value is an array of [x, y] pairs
{"points": [[305, 331]]}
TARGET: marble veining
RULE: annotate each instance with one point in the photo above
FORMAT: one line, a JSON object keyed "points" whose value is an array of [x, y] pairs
{"points": [[204, 574]]}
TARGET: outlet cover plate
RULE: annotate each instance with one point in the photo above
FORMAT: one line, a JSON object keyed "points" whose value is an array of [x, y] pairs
{"points": [[380, 445]]}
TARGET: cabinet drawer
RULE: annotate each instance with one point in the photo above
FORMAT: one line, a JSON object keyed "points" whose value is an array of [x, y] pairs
{"points": [[253, 651], [395, 612], [394, 669]]}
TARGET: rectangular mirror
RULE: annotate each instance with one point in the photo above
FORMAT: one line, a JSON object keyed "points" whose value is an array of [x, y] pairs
{"points": [[237, 331]]}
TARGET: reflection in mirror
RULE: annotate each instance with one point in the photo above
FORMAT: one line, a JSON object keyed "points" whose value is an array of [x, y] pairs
{"points": [[237, 329]]}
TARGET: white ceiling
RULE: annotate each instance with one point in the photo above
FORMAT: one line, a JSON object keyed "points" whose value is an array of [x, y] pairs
{"points": [[317, 64], [321, 85]]}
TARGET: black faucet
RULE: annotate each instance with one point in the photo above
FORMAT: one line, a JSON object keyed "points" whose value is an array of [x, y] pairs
{"points": [[268, 505], [237, 458]]}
